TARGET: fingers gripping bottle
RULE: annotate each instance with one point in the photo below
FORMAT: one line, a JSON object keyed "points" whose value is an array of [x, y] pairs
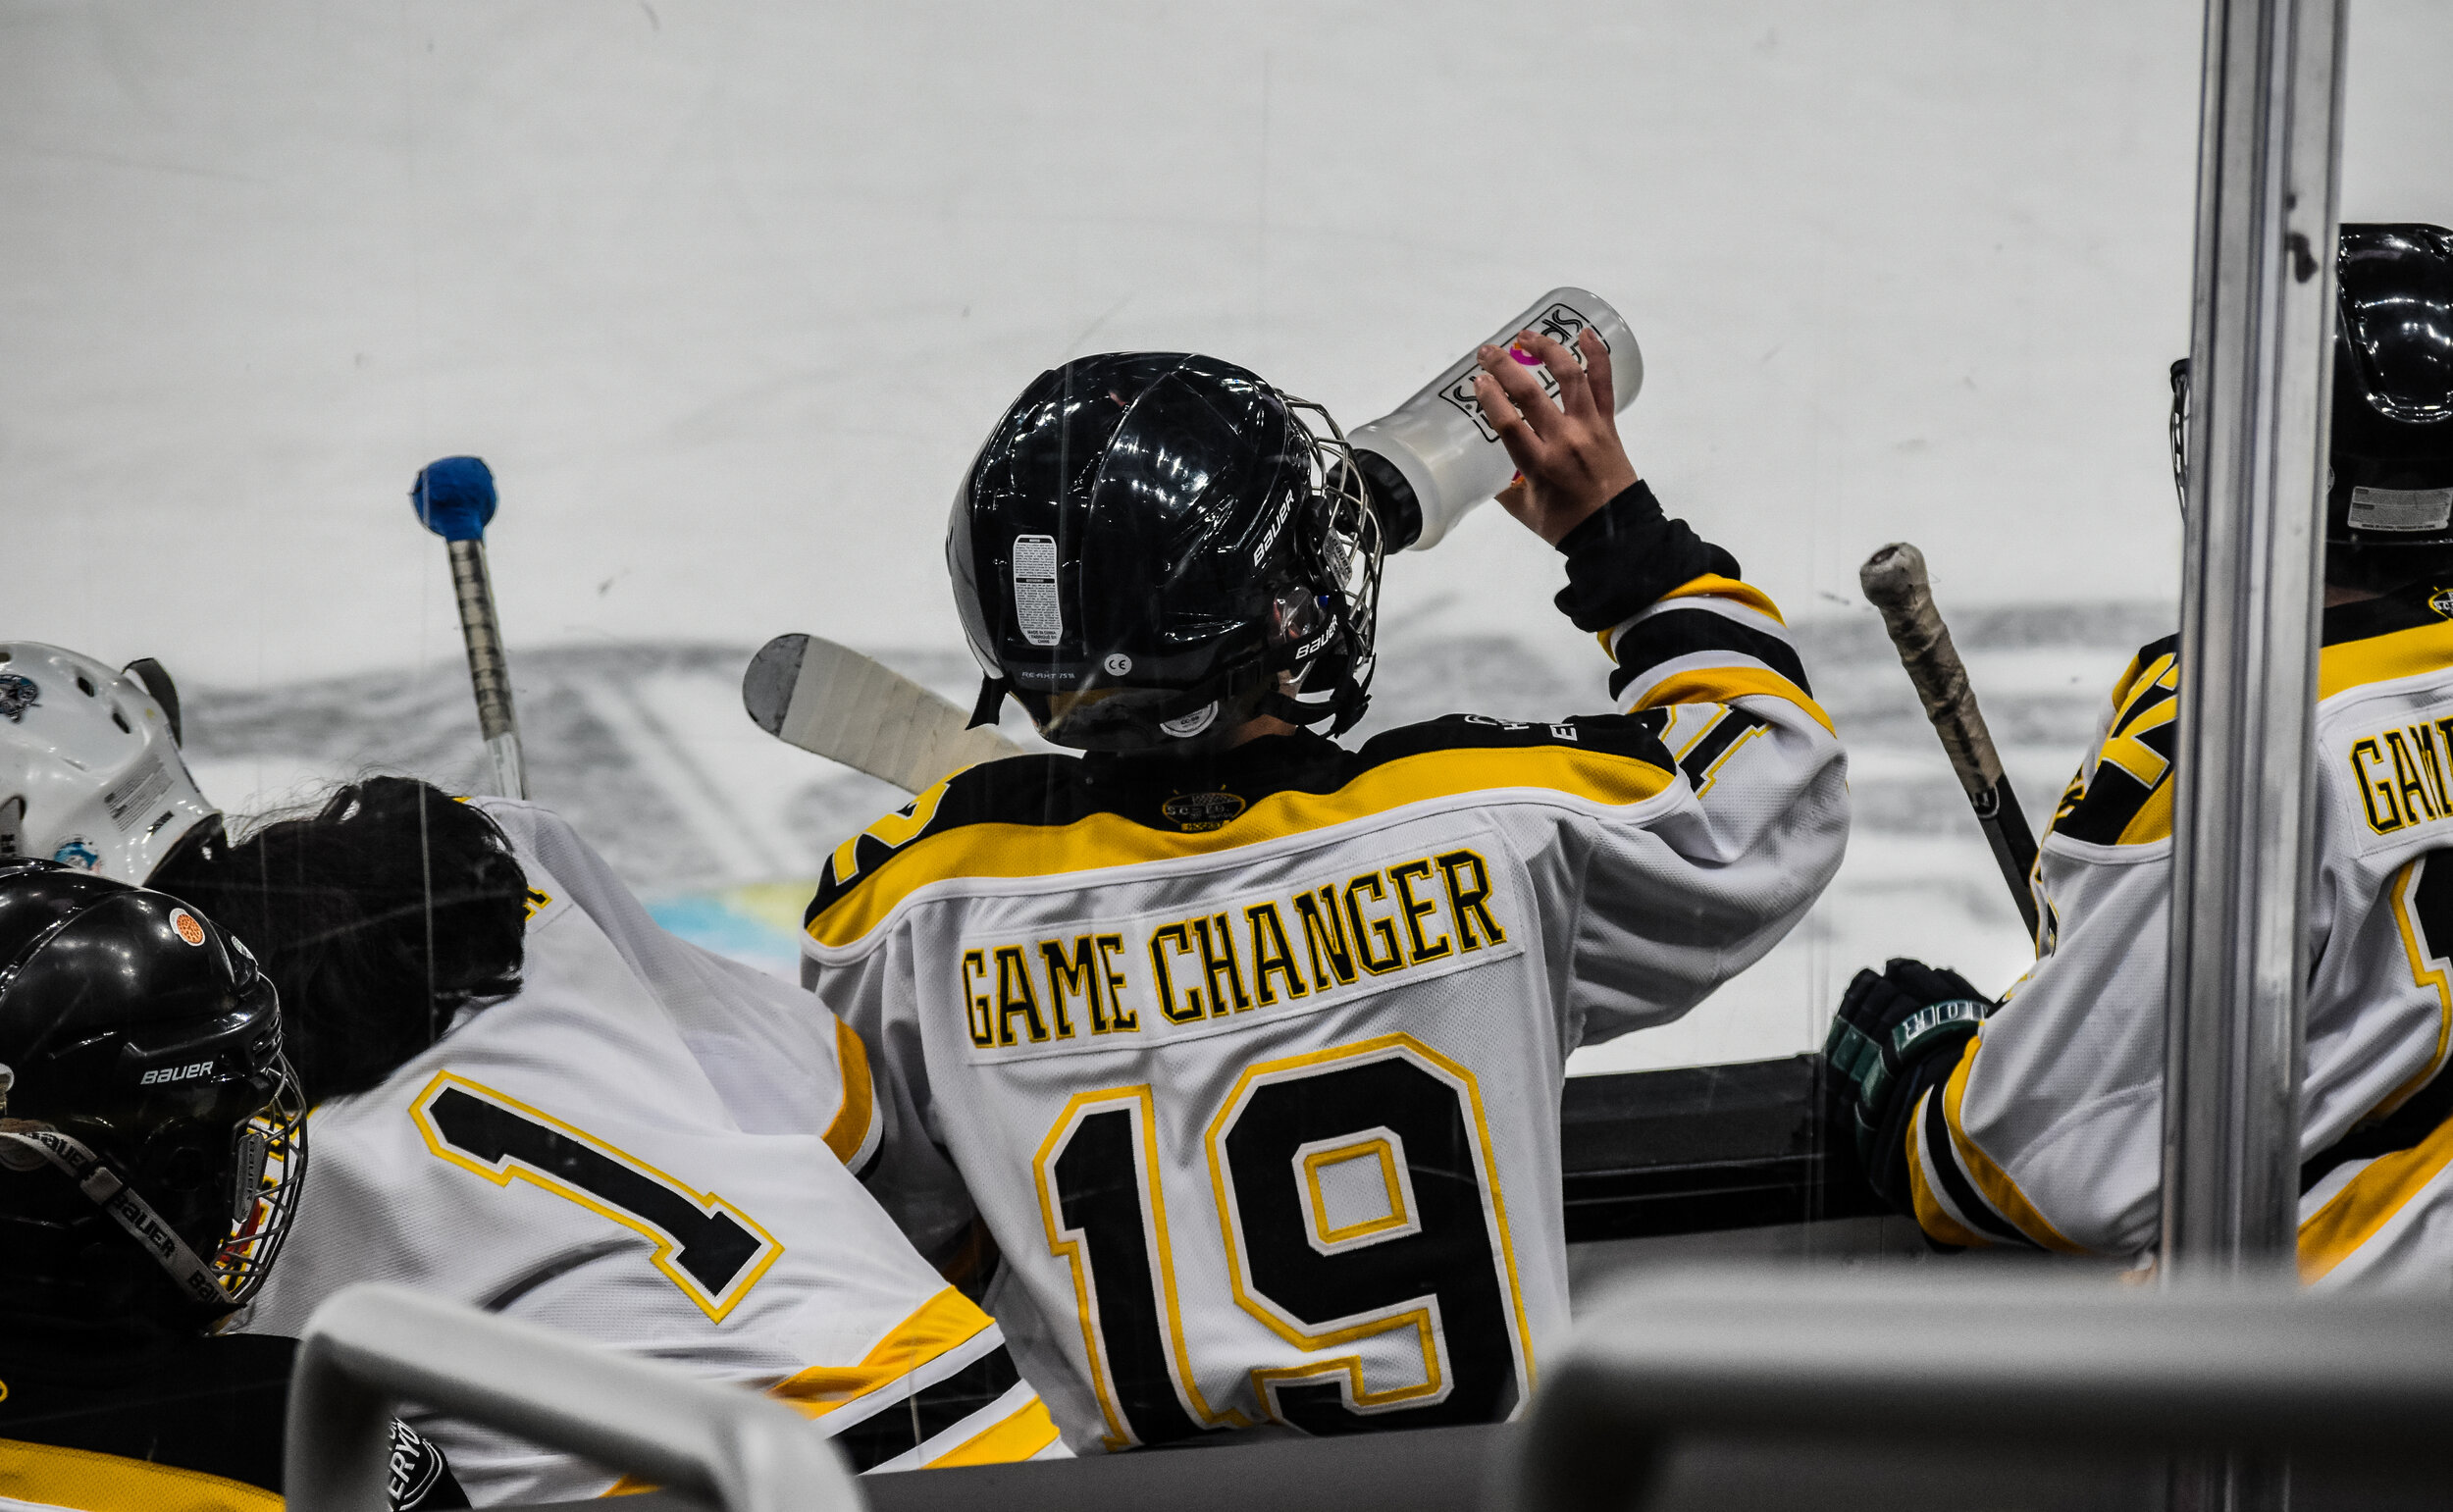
{"points": [[1438, 456]]}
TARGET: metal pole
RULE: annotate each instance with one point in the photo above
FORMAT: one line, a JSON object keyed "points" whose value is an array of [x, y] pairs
{"points": [[2261, 365], [2260, 362]]}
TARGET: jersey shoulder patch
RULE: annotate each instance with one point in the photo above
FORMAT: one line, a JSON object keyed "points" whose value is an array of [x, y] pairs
{"points": [[2123, 793]]}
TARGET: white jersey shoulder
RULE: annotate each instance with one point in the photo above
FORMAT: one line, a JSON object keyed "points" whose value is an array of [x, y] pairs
{"points": [[645, 1146], [2047, 1133]]}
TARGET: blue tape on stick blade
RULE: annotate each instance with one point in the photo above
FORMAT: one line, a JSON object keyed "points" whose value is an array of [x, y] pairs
{"points": [[455, 497]]}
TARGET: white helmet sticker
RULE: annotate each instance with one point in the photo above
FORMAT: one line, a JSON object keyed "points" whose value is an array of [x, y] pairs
{"points": [[2426, 509], [1035, 605], [1118, 663]]}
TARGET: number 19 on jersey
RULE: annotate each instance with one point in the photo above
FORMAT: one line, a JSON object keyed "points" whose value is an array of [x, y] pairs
{"points": [[1426, 1253]]}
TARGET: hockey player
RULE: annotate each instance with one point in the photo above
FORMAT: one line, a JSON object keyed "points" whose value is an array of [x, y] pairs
{"points": [[1246, 1049], [2039, 1124], [643, 1143], [152, 1147]]}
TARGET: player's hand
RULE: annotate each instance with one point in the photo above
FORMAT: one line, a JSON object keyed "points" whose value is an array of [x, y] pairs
{"points": [[1894, 1036], [1571, 461]]}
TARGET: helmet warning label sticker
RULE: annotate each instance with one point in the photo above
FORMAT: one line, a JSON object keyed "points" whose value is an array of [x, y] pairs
{"points": [[133, 800], [1035, 607], [2414, 510]]}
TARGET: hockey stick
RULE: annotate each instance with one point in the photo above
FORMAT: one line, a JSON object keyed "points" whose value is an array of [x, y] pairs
{"points": [[811, 693], [1894, 579], [455, 497]]}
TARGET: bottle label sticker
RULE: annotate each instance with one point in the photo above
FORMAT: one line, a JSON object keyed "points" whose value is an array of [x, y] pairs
{"points": [[1035, 607], [1561, 322]]}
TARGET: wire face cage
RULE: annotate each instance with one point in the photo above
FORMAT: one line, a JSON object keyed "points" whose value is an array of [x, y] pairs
{"points": [[1344, 537], [269, 1174]]}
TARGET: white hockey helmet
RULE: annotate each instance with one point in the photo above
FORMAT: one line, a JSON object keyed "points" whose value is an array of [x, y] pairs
{"points": [[90, 772]]}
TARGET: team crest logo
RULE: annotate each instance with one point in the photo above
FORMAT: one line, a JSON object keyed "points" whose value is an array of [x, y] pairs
{"points": [[1197, 812], [2443, 603], [18, 693], [77, 851]]}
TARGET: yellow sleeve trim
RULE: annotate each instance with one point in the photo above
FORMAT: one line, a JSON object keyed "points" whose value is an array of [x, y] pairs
{"points": [[1018, 1436], [2369, 1201], [1991, 1180], [1102, 840], [2381, 658], [1719, 685], [1931, 1214], [2129, 679], [2153, 820], [1713, 585], [849, 1132], [941, 1322], [50, 1476]]}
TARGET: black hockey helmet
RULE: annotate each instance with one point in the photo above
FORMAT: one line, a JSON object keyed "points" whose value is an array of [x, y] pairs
{"points": [[2389, 490], [148, 1123], [1154, 547]]}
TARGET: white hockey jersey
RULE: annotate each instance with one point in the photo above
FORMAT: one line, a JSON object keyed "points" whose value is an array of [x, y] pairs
{"points": [[1251, 1065], [645, 1146], [2048, 1130]]}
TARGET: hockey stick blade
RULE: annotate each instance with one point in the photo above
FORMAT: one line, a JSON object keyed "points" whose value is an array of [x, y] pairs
{"points": [[809, 692], [1895, 583]]}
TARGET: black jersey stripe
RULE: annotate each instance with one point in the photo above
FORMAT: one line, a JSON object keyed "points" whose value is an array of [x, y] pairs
{"points": [[1682, 632], [2405, 1129], [2405, 608], [902, 1422], [1962, 1192]]}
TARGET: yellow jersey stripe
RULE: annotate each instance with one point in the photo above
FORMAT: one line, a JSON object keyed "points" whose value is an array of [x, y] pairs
{"points": [[1931, 1214], [2379, 658], [2153, 820], [1713, 585], [1989, 1178], [1018, 1436], [2367, 1202], [941, 1322], [1719, 685], [849, 1133], [49, 1476], [1102, 840]]}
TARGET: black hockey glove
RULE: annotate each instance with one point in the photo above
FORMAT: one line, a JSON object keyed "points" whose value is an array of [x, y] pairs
{"points": [[1894, 1038]]}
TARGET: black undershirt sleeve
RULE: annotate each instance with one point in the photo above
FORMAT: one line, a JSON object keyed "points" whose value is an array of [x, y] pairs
{"points": [[1625, 556]]}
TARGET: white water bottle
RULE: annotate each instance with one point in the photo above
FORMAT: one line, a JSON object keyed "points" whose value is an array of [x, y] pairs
{"points": [[1438, 456]]}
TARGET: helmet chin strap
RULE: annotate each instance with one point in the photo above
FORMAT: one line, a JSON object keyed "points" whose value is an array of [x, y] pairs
{"points": [[1344, 705], [104, 1188], [992, 692]]}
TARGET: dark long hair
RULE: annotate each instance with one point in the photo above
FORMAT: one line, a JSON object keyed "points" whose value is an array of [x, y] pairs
{"points": [[377, 918]]}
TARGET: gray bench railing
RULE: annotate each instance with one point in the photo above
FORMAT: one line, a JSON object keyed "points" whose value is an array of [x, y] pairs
{"points": [[2020, 1360], [371, 1347]]}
